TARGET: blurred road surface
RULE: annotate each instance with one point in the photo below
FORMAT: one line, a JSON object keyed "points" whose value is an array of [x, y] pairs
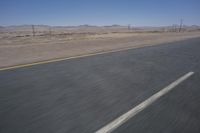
{"points": [[83, 95]]}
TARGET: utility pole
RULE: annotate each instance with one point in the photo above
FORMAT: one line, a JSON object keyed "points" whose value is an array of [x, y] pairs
{"points": [[175, 28], [129, 27], [50, 31], [33, 30], [181, 25]]}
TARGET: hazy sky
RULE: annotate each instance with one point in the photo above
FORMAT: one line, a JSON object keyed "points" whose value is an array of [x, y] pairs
{"points": [[99, 12]]}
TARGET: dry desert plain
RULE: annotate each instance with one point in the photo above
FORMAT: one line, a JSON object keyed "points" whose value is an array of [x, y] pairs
{"points": [[23, 49]]}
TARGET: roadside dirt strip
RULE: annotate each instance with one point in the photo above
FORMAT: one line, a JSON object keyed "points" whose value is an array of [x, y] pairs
{"points": [[33, 50]]}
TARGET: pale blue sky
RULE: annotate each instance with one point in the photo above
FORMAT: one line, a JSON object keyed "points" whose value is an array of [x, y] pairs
{"points": [[99, 12]]}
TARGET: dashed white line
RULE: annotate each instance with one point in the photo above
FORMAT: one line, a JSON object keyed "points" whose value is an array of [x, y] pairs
{"points": [[125, 117]]}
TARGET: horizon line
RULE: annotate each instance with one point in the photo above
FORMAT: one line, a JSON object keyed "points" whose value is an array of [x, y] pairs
{"points": [[91, 25]]}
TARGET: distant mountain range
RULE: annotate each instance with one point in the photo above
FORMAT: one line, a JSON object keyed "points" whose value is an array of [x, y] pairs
{"points": [[115, 25]]}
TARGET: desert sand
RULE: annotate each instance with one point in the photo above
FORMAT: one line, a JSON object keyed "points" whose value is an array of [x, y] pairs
{"points": [[17, 50]]}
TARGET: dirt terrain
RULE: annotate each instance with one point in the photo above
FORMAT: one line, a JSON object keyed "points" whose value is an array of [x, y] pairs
{"points": [[28, 49]]}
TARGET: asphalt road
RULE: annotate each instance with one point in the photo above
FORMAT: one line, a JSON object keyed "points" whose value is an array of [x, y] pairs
{"points": [[83, 95]]}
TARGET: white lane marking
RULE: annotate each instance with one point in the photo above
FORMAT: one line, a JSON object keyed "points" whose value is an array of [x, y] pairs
{"points": [[125, 117]]}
